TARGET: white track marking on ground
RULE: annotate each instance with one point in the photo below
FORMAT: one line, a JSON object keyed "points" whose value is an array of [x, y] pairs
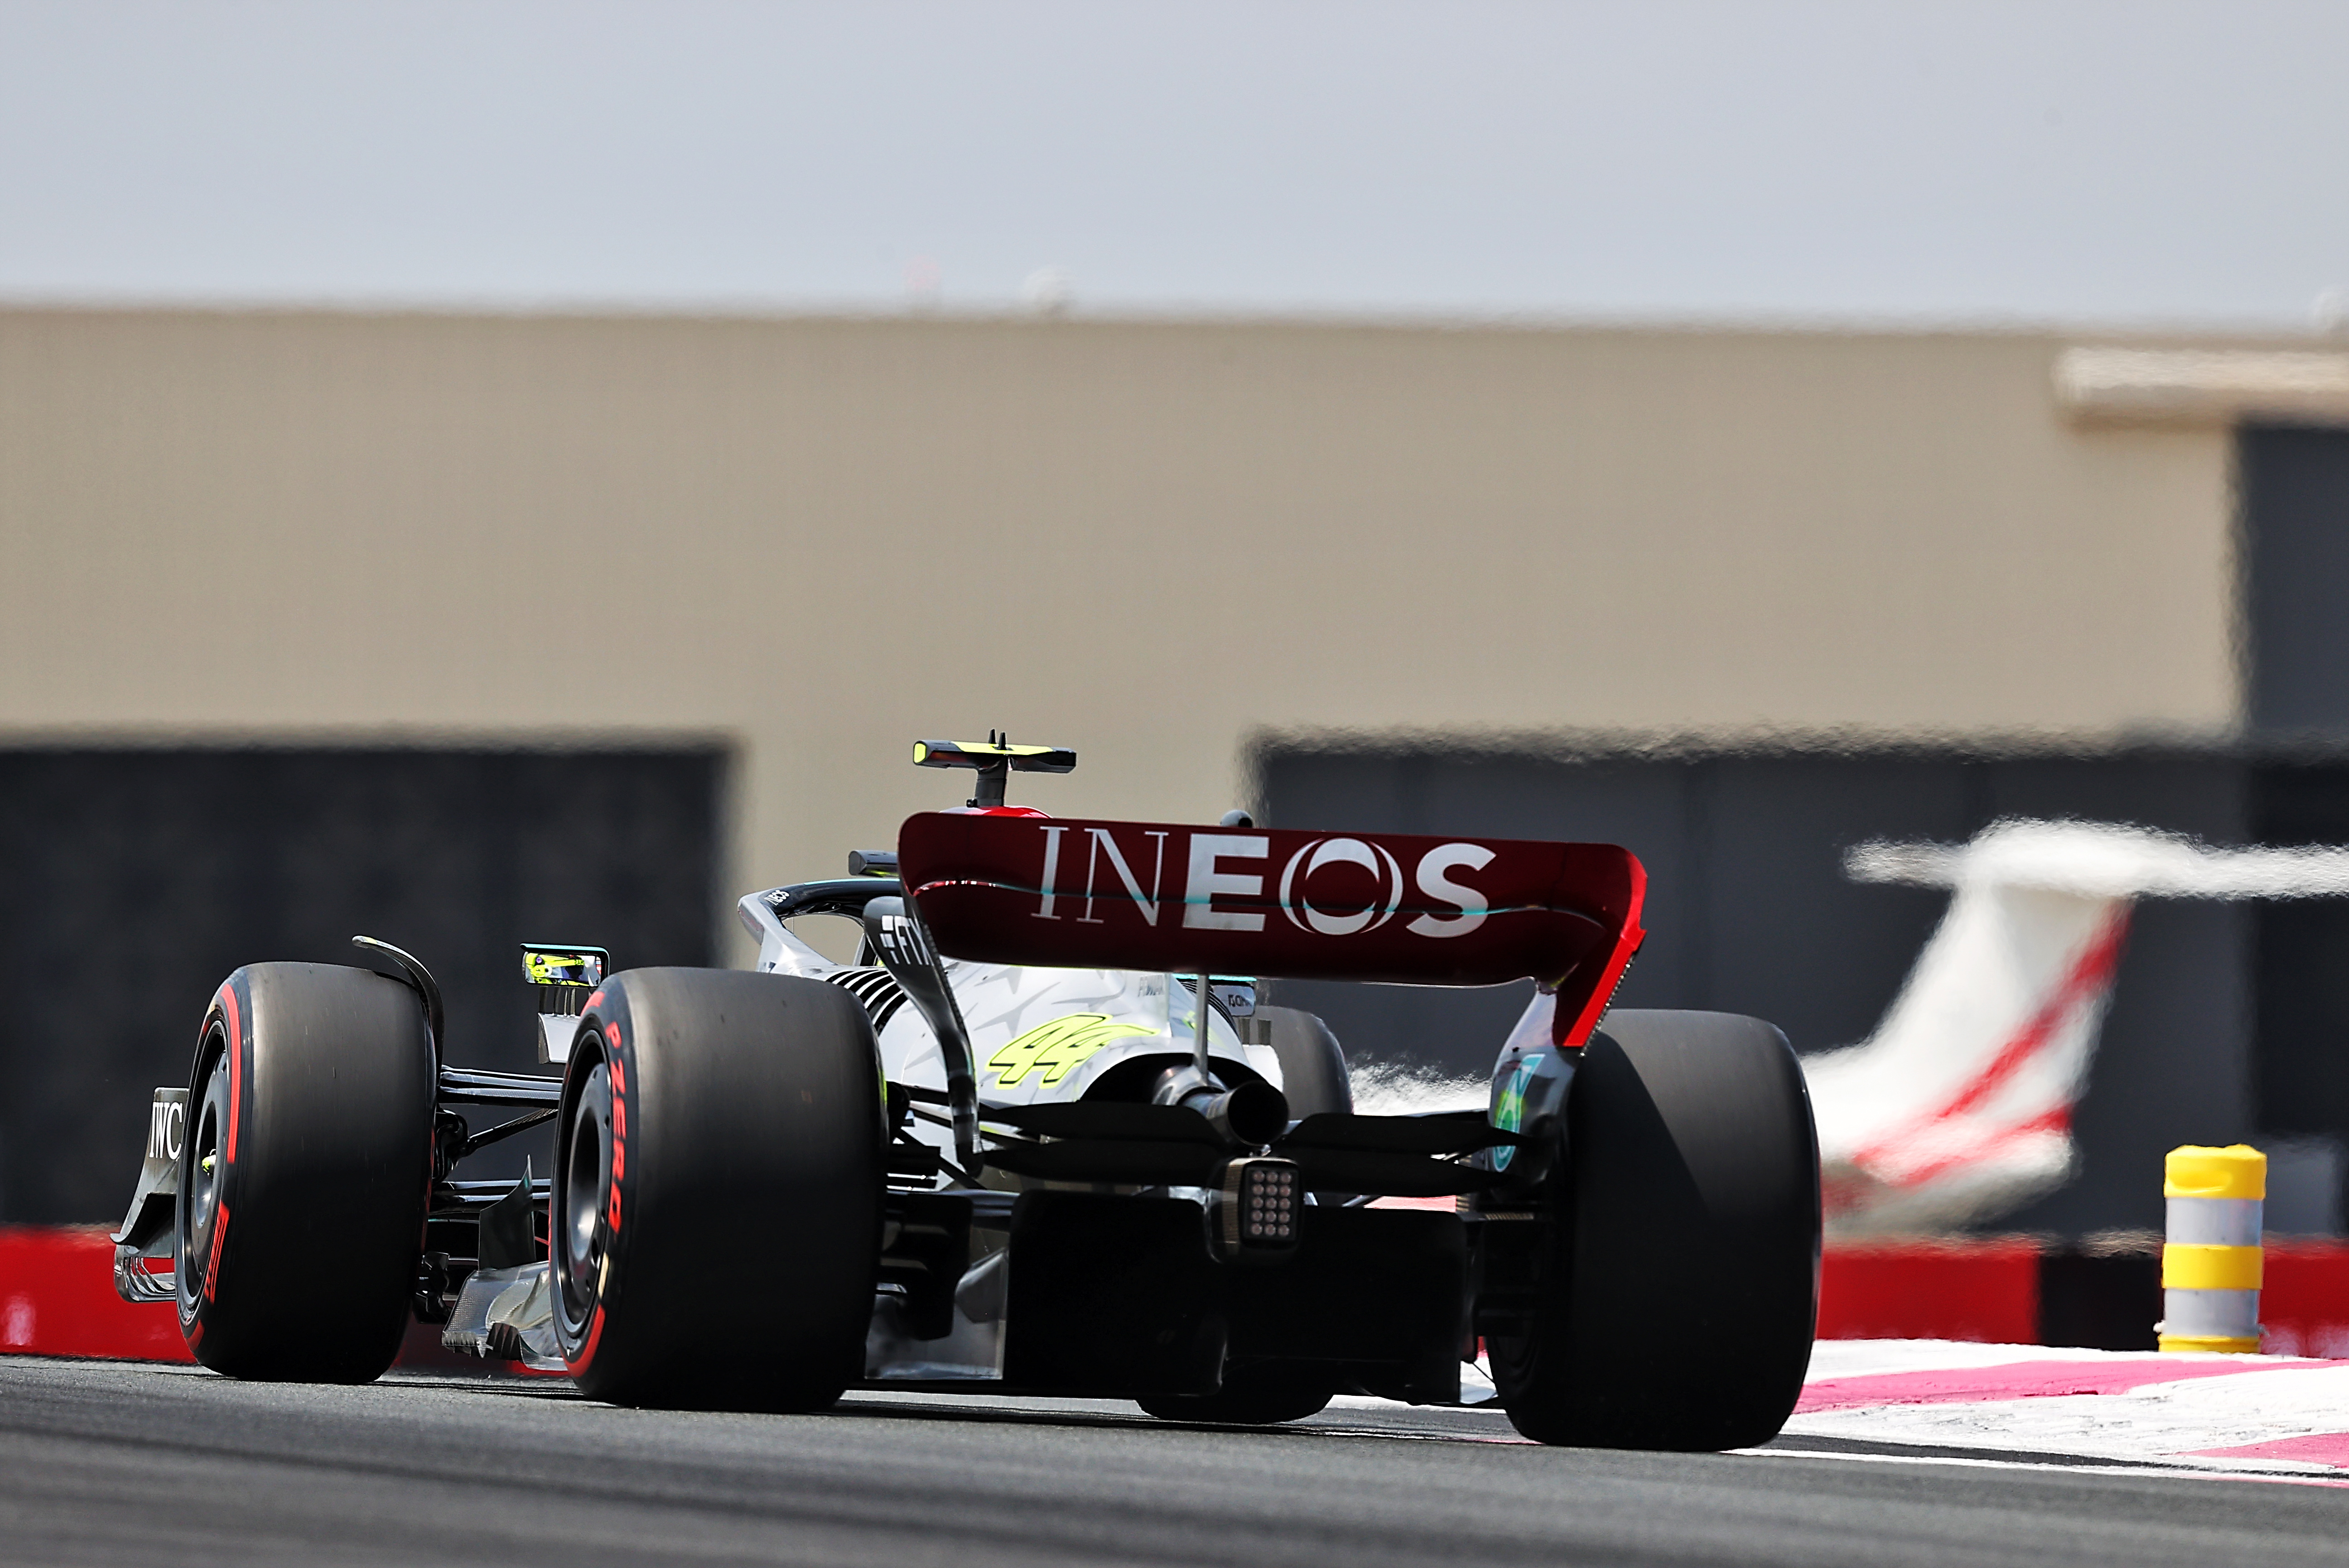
{"points": [[2159, 1420], [2297, 1475], [2268, 1400], [1832, 1358], [2154, 1430]]}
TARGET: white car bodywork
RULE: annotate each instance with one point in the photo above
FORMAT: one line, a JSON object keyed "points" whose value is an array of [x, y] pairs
{"points": [[1116, 1016]]}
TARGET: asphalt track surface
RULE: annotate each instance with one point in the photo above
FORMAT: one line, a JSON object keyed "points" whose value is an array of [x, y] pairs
{"points": [[117, 1463]]}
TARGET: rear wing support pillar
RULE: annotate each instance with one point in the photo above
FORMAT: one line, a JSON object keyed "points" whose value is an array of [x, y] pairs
{"points": [[912, 958]]}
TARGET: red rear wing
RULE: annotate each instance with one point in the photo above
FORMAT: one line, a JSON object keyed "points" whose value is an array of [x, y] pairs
{"points": [[1177, 899]]}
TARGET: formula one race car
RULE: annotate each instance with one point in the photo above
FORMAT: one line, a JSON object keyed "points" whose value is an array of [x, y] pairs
{"points": [[1041, 1138]]}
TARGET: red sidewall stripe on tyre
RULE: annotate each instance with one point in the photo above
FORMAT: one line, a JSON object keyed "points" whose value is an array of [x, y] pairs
{"points": [[228, 1151], [617, 1077], [587, 1356], [235, 1069], [211, 1264]]}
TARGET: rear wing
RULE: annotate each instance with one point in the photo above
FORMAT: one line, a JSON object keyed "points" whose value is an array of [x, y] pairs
{"points": [[1387, 907]]}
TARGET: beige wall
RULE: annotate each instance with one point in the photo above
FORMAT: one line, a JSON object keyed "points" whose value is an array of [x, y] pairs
{"points": [[825, 537]]}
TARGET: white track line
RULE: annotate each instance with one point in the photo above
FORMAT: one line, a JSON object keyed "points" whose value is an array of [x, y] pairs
{"points": [[2300, 1476], [2170, 1423]]}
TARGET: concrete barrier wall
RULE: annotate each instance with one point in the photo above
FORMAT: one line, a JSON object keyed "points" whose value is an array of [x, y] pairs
{"points": [[56, 1298]]}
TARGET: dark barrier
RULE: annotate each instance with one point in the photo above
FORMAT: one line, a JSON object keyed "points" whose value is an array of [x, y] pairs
{"points": [[132, 881], [56, 1298], [2224, 1021]]}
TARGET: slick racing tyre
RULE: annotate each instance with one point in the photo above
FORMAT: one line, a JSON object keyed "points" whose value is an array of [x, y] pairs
{"points": [[1681, 1286], [1258, 1398], [305, 1174], [1312, 1068], [718, 1191], [1312, 1077]]}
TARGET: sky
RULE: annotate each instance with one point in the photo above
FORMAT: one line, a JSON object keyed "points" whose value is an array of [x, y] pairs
{"points": [[2149, 163]]}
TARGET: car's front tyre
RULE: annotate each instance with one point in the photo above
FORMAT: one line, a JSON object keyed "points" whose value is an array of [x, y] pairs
{"points": [[304, 1174]]}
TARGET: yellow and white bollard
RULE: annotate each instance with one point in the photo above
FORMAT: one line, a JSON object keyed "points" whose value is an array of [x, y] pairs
{"points": [[2210, 1260]]}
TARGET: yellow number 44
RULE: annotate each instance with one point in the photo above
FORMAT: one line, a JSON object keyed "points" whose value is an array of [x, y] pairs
{"points": [[1053, 1048]]}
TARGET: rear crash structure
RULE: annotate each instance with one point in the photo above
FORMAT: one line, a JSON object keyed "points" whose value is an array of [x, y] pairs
{"points": [[1043, 1137]]}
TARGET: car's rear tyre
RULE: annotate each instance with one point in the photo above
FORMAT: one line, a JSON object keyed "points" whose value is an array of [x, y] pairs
{"points": [[1256, 1397], [718, 1191], [1682, 1287], [1312, 1067], [305, 1173]]}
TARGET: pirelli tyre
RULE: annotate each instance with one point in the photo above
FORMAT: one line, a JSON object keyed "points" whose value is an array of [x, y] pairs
{"points": [[1681, 1288], [305, 1174], [718, 1191], [1313, 1076], [1312, 1067]]}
